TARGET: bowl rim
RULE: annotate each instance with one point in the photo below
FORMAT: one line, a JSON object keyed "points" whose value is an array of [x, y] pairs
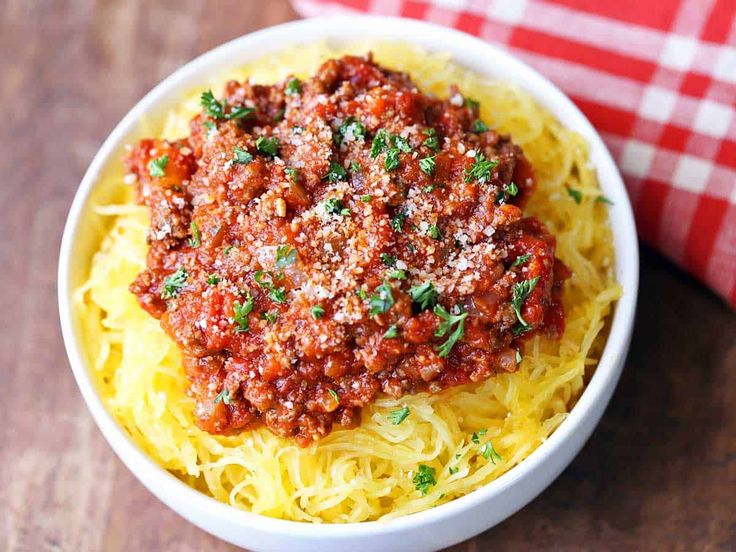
{"points": [[597, 389]]}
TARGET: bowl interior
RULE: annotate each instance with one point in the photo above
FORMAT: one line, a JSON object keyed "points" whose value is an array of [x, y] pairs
{"points": [[83, 230]]}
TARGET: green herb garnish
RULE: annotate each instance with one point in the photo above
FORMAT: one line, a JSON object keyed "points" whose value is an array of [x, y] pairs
{"points": [[366, 198], [334, 394], [489, 453], [223, 396], [480, 170], [213, 280], [382, 301], [432, 141], [520, 292], [334, 206], [388, 260], [521, 259], [174, 283], [293, 87], [196, 239], [428, 164], [379, 143], [276, 294], [577, 195], [392, 332], [425, 296], [336, 173], [434, 232], [268, 146], [241, 312], [397, 222], [392, 159], [156, 166], [242, 157], [398, 416], [216, 109], [448, 321], [293, 174], [317, 311], [424, 479], [270, 317], [603, 199], [401, 144], [479, 126], [285, 256]]}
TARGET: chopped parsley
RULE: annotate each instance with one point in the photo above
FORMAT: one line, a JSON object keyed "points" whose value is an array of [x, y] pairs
{"points": [[241, 312], [216, 109], [382, 301], [174, 283], [293, 87], [379, 143], [398, 416], [355, 167], [470, 103], [432, 141], [336, 173], [388, 260], [196, 239], [392, 332], [603, 199], [210, 126], [520, 292], [285, 256], [453, 470], [489, 453], [242, 157], [279, 115], [434, 232], [401, 144], [366, 198], [428, 164], [397, 275], [350, 126], [277, 295], [268, 146], [576, 195], [448, 321], [424, 479], [317, 311], [425, 296], [156, 166], [397, 222], [479, 126], [334, 394], [270, 317], [334, 207], [521, 259], [480, 170], [360, 292], [224, 397], [432, 187], [475, 438], [213, 280], [392, 159], [293, 174]]}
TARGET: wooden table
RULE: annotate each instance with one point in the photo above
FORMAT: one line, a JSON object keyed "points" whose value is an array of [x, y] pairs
{"points": [[659, 472]]}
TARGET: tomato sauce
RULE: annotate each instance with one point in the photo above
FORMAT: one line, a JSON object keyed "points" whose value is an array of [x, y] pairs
{"points": [[314, 243]]}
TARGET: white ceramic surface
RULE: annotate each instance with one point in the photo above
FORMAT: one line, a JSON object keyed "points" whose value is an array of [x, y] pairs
{"points": [[434, 528]]}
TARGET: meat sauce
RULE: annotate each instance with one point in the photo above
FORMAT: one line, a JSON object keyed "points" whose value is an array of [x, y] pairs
{"points": [[314, 243]]}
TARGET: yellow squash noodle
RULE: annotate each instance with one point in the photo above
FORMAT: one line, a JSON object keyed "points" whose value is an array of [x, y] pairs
{"points": [[364, 473]]}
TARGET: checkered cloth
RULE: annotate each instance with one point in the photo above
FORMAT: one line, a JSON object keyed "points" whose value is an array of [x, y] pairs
{"points": [[657, 78]]}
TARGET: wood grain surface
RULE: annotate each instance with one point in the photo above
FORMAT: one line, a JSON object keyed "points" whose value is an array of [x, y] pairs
{"points": [[659, 472]]}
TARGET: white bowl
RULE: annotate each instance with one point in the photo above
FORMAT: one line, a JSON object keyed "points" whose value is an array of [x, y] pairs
{"points": [[432, 529]]}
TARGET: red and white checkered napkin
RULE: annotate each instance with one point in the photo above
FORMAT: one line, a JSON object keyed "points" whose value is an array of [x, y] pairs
{"points": [[657, 78]]}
